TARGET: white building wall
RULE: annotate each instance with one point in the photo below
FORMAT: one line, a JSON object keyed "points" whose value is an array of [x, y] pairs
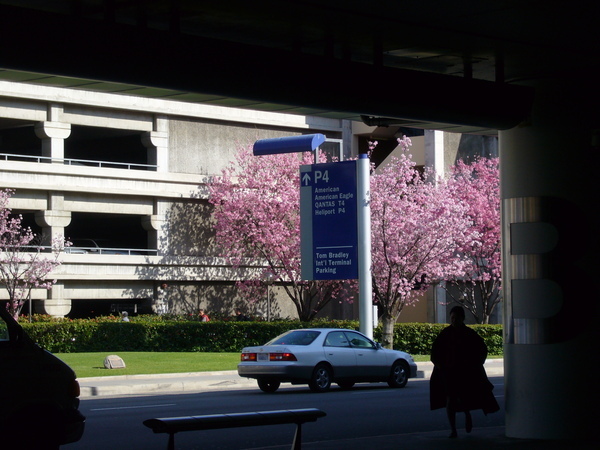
{"points": [[185, 142]]}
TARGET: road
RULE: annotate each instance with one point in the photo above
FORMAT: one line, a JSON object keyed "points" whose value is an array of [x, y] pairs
{"points": [[367, 410]]}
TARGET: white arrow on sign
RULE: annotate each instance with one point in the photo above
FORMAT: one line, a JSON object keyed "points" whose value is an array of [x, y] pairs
{"points": [[306, 179]]}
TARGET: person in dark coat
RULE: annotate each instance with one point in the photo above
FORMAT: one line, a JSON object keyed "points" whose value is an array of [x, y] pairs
{"points": [[458, 381], [241, 317]]}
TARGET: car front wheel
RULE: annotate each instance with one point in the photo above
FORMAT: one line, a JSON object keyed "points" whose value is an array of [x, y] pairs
{"points": [[398, 375], [268, 385], [320, 380]]}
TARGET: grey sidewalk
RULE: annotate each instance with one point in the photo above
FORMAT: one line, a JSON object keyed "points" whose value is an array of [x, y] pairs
{"points": [[202, 381]]}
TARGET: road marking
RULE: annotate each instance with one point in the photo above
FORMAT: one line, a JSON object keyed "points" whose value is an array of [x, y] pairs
{"points": [[134, 407]]}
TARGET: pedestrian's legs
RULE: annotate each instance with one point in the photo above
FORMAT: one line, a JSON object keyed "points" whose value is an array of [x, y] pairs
{"points": [[468, 421], [451, 412]]}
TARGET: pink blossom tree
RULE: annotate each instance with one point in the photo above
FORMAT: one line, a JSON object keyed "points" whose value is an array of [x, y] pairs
{"points": [[257, 217], [478, 288], [415, 226], [23, 265]]}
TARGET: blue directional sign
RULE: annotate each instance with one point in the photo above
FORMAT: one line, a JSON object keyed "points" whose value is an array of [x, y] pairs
{"points": [[328, 221]]}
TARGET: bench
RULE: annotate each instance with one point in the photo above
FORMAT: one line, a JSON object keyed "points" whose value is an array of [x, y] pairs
{"points": [[172, 425]]}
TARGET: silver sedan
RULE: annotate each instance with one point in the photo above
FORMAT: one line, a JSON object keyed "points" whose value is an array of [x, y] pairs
{"points": [[320, 356]]}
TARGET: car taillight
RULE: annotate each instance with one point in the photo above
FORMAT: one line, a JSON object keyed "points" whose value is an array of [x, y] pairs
{"points": [[282, 357], [248, 357], [75, 389]]}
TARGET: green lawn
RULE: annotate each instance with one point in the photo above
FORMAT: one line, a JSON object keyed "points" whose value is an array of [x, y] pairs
{"points": [[92, 364]]}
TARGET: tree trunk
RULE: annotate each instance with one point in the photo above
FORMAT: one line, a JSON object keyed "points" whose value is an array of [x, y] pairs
{"points": [[387, 333]]}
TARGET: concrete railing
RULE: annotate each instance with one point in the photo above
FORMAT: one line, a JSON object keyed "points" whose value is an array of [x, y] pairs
{"points": [[77, 162]]}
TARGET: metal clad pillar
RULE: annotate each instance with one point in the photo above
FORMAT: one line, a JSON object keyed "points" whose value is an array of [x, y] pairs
{"points": [[365, 282], [550, 257]]}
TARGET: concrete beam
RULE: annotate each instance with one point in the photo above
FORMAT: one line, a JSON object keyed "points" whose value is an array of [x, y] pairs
{"points": [[216, 67]]}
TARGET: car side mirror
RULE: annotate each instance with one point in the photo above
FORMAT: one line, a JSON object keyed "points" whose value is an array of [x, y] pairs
{"points": [[378, 346]]}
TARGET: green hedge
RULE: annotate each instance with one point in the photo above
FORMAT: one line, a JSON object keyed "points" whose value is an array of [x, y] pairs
{"points": [[111, 335]]}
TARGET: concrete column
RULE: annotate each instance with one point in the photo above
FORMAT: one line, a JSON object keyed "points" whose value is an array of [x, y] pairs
{"points": [[434, 151], [54, 220], [53, 223], [53, 135], [346, 139], [157, 143], [550, 264], [154, 225], [55, 305], [439, 307]]}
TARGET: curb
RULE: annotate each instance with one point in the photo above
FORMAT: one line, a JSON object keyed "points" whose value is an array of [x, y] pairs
{"points": [[493, 368], [161, 383], [190, 382]]}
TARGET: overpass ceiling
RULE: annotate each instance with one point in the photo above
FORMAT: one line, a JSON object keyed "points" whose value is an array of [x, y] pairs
{"points": [[459, 66]]}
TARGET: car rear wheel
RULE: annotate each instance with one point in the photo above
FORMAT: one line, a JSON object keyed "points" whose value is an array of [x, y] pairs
{"points": [[268, 384], [320, 380], [398, 375]]}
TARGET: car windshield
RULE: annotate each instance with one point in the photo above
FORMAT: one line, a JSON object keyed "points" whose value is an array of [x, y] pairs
{"points": [[296, 337]]}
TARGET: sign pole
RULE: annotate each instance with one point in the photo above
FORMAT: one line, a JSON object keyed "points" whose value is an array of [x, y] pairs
{"points": [[328, 198], [365, 281]]}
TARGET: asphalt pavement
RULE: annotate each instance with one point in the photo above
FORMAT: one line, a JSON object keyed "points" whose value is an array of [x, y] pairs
{"points": [[489, 438]]}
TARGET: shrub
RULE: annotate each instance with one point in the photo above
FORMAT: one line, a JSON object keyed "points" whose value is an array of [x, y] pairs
{"points": [[176, 333]]}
